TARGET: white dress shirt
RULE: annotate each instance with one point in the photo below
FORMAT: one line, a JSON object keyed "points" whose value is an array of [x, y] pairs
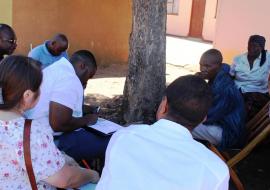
{"points": [[162, 156], [60, 84], [254, 80]]}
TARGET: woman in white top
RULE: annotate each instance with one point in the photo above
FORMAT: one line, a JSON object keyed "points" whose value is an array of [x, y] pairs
{"points": [[251, 73], [20, 79]]}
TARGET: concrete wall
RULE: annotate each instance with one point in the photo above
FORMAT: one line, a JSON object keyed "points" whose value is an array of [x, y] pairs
{"points": [[236, 21], [6, 11], [209, 22], [178, 25], [103, 28]]}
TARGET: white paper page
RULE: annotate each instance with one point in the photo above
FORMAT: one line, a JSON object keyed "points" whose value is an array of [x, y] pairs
{"points": [[105, 126]]}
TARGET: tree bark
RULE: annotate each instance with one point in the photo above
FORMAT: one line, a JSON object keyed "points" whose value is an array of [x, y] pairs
{"points": [[145, 82]]}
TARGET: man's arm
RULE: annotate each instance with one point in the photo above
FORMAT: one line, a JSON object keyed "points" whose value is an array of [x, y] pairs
{"points": [[61, 119], [87, 109]]}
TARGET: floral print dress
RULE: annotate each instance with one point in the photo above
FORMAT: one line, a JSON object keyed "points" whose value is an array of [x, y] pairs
{"points": [[46, 158]]}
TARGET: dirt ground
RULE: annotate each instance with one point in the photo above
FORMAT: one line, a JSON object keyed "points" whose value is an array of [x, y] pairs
{"points": [[106, 89]]}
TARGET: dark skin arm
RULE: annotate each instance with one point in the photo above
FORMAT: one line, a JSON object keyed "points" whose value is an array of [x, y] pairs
{"points": [[61, 119], [89, 109], [201, 75]]}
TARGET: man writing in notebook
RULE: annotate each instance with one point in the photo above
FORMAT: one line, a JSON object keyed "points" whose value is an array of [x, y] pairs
{"points": [[60, 105], [164, 155]]}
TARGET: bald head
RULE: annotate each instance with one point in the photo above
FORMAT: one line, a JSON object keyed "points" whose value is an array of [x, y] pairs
{"points": [[61, 38], [7, 40], [58, 44], [210, 63], [214, 54]]}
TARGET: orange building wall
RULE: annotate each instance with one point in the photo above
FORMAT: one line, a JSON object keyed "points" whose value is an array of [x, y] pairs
{"points": [[101, 27], [236, 21]]}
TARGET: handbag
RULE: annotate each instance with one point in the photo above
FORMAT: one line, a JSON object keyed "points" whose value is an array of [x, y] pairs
{"points": [[27, 153]]}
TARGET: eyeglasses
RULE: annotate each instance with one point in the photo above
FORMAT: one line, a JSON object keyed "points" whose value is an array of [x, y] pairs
{"points": [[10, 41]]}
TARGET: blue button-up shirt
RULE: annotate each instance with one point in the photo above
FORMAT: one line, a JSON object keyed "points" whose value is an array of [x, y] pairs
{"points": [[42, 54]]}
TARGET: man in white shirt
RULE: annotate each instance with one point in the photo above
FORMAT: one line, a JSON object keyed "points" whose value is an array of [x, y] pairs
{"points": [[60, 106], [164, 156]]}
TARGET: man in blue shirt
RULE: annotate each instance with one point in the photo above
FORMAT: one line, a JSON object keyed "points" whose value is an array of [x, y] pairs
{"points": [[51, 51], [224, 125]]}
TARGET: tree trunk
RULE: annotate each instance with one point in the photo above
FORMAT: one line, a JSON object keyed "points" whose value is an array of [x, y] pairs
{"points": [[145, 82]]}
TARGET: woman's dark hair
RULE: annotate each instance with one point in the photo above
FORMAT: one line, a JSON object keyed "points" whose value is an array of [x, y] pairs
{"points": [[263, 58], [261, 41], [18, 74]]}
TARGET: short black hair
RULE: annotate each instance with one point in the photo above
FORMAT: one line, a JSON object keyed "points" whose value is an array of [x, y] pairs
{"points": [[5, 28], [189, 98], [18, 74], [61, 37], [85, 56], [216, 53]]}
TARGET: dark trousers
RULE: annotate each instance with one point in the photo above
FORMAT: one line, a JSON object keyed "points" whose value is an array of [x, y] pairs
{"points": [[254, 102], [83, 145]]}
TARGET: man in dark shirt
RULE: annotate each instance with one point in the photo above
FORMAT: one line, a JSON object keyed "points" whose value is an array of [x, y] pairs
{"points": [[224, 124]]}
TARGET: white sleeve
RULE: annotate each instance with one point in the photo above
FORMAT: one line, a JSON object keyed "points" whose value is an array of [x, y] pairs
{"points": [[67, 92], [113, 166], [224, 184], [268, 60]]}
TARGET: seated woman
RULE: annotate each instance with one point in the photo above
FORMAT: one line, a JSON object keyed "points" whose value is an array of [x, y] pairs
{"points": [[20, 79], [251, 72]]}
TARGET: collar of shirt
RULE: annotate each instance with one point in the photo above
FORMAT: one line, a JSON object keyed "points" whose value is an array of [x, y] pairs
{"points": [[45, 49], [256, 62], [176, 129], [63, 63]]}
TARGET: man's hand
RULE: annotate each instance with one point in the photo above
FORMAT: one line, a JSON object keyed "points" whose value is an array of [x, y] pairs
{"points": [[202, 75], [90, 119], [87, 109]]}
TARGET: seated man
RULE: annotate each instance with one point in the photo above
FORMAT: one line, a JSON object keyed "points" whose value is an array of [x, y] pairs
{"points": [[251, 75], [51, 51], [60, 105], [7, 40], [225, 121], [164, 155]]}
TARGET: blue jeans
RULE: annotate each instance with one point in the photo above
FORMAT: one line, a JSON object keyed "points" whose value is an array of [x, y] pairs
{"points": [[88, 186], [83, 145]]}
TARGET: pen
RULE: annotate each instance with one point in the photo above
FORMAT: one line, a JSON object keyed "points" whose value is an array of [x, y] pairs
{"points": [[85, 164]]}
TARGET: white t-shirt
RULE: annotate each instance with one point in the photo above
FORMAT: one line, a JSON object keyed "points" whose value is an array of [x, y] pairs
{"points": [[60, 84], [162, 156], [254, 80], [46, 158]]}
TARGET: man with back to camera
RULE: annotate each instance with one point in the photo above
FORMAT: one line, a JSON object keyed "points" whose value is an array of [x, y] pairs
{"points": [[164, 155], [51, 51], [8, 40]]}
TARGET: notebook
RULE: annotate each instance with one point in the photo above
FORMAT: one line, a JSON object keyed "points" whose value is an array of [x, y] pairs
{"points": [[104, 126]]}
